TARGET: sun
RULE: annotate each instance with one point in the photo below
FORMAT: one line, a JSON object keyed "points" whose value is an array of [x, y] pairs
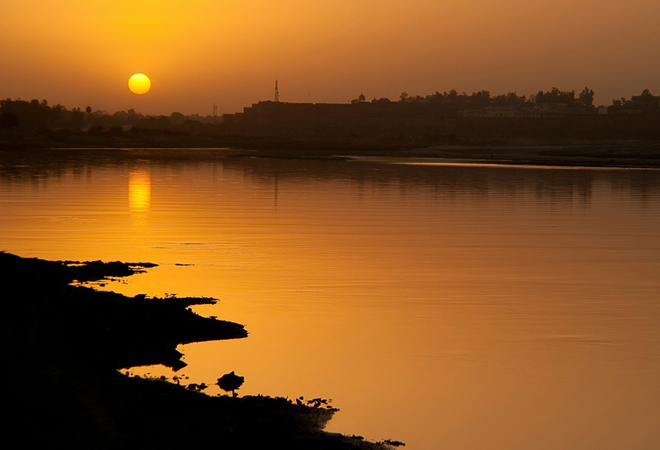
{"points": [[139, 84]]}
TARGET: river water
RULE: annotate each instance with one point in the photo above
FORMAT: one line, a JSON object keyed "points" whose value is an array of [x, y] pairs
{"points": [[442, 305]]}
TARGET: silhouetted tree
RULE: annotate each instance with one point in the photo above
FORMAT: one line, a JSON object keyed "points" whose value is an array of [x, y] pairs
{"points": [[645, 100], [587, 97], [481, 98], [555, 96], [510, 99], [76, 118]]}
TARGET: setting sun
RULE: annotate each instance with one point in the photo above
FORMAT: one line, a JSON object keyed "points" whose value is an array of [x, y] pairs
{"points": [[139, 84], [430, 224]]}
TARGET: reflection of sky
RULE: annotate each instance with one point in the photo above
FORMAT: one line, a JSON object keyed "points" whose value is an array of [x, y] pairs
{"points": [[446, 307], [139, 190]]}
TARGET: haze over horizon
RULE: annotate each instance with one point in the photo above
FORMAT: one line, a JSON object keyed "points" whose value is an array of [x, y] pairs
{"points": [[201, 52]]}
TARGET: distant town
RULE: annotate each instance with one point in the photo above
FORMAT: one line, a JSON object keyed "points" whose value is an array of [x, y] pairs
{"points": [[434, 118]]}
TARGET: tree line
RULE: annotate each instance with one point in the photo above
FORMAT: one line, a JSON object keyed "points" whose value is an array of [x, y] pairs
{"points": [[483, 98], [37, 114], [40, 115], [480, 99]]}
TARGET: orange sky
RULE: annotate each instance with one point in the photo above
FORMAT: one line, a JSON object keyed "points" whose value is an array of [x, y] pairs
{"points": [[200, 52]]}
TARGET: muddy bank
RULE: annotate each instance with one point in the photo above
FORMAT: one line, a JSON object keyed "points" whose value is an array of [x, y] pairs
{"points": [[610, 154], [537, 151], [65, 344], [607, 154]]}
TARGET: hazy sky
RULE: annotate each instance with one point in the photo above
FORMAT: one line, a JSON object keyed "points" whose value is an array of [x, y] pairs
{"points": [[229, 52]]}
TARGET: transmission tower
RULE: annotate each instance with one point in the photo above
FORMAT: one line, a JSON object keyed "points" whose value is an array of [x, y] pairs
{"points": [[277, 92]]}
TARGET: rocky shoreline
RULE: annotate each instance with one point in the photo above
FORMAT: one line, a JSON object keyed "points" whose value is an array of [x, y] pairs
{"points": [[65, 345]]}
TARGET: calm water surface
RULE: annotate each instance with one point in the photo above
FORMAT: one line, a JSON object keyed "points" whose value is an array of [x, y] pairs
{"points": [[450, 307]]}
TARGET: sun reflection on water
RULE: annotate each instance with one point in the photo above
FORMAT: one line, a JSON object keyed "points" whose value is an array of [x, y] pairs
{"points": [[139, 190]]}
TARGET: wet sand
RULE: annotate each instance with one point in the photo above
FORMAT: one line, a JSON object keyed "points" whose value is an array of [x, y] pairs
{"points": [[65, 346]]}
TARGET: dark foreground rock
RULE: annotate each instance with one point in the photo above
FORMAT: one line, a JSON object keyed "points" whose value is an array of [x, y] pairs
{"points": [[63, 348]]}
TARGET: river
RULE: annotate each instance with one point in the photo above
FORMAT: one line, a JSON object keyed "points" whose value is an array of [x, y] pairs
{"points": [[443, 305]]}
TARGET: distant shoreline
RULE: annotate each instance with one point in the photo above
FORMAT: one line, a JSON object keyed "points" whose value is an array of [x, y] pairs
{"points": [[605, 153]]}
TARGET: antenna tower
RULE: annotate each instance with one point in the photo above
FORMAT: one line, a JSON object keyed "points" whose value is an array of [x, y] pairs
{"points": [[277, 92]]}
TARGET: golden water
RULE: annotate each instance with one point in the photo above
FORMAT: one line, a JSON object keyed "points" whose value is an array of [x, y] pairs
{"points": [[447, 307]]}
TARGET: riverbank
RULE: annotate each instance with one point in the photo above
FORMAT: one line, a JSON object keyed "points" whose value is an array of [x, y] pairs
{"points": [[65, 344], [527, 151], [589, 154]]}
